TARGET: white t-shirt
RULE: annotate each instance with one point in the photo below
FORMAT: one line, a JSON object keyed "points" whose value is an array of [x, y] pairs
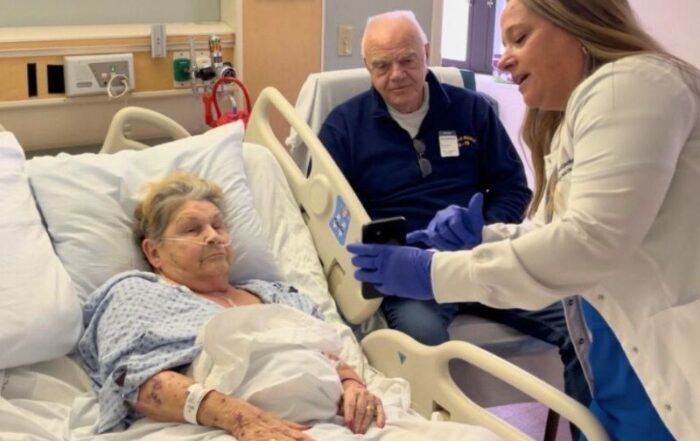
{"points": [[411, 122]]}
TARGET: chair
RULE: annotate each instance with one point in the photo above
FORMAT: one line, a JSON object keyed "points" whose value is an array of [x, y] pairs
{"points": [[320, 93]]}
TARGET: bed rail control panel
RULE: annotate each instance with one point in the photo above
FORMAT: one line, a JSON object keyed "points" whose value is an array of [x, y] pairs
{"points": [[98, 74]]}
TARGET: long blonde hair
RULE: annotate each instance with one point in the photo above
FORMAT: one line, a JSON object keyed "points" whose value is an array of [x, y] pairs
{"points": [[608, 31]]}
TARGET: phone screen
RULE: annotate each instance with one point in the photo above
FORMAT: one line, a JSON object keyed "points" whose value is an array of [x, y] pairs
{"points": [[391, 230]]}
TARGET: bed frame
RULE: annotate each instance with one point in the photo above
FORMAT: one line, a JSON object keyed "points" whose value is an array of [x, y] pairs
{"points": [[391, 352]]}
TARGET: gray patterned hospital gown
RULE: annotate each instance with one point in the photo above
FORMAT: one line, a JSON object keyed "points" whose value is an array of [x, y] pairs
{"points": [[137, 326]]}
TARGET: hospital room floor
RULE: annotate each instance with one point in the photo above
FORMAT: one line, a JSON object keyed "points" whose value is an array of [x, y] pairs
{"points": [[531, 418]]}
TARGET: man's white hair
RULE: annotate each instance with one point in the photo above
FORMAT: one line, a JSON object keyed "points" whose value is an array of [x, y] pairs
{"points": [[394, 15]]}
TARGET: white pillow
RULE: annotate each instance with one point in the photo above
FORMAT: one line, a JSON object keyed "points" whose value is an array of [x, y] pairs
{"points": [[40, 317], [289, 236], [88, 203]]}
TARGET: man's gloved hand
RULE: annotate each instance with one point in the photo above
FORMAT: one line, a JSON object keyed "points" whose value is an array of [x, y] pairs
{"points": [[395, 270], [454, 227]]}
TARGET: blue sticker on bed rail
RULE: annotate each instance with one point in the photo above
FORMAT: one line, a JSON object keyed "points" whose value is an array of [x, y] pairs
{"points": [[340, 221]]}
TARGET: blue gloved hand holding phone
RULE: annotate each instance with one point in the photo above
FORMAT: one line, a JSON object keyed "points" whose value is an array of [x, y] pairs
{"points": [[453, 228], [394, 269]]}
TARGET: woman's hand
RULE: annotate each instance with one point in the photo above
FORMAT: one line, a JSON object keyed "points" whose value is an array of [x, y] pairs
{"points": [[453, 228], [247, 422], [360, 407], [250, 423], [395, 270], [162, 398]]}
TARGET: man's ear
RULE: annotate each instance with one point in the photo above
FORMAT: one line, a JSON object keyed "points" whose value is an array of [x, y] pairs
{"points": [[427, 53], [150, 250]]}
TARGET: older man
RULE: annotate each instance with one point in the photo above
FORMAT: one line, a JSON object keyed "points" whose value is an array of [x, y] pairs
{"points": [[411, 146]]}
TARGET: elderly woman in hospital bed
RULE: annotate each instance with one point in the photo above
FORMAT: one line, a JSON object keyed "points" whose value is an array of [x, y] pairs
{"points": [[182, 344]]}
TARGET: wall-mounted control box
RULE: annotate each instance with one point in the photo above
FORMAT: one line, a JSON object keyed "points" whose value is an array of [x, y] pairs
{"points": [[90, 74]]}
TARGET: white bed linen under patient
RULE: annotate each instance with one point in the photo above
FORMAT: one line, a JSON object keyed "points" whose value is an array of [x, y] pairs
{"points": [[276, 364], [276, 348]]}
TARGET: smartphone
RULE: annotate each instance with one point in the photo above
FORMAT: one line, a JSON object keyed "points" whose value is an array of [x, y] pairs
{"points": [[391, 230]]}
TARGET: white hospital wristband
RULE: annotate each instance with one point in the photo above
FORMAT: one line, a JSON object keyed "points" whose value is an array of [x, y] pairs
{"points": [[196, 394]]}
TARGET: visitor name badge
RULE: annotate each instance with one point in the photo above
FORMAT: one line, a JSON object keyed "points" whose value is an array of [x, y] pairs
{"points": [[449, 148]]}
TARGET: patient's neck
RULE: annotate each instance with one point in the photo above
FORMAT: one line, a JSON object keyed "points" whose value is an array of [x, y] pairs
{"points": [[205, 284]]}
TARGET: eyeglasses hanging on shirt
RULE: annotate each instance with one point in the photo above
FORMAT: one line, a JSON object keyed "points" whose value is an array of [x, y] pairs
{"points": [[423, 163]]}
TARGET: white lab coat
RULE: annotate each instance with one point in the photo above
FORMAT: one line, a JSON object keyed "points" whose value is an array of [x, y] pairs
{"points": [[625, 232]]}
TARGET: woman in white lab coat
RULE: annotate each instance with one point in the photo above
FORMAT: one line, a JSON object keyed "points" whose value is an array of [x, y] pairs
{"points": [[613, 124]]}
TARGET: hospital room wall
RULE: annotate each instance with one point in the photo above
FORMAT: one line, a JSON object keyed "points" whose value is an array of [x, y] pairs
{"points": [[95, 12], [674, 24], [33, 33], [280, 46]]}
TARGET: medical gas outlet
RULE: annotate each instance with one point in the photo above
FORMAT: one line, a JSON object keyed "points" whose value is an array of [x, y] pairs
{"points": [[111, 74]]}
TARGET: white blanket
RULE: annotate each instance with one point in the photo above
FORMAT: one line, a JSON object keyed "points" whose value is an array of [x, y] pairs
{"points": [[37, 402], [273, 356]]}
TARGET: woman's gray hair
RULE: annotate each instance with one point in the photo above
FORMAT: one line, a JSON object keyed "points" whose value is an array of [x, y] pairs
{"points": [[164, 197]]}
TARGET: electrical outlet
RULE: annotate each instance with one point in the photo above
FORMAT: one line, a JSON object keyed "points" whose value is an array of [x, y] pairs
{"points": [[202, 59], [90, 74], [344, 40]]}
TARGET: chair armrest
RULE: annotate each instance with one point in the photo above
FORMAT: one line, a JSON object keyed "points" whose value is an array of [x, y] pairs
{"points": [[432, 388]]}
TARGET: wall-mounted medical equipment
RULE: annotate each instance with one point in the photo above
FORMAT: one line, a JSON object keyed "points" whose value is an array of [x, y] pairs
{"points": [[111, 74], [210, 76], [198, 68]]}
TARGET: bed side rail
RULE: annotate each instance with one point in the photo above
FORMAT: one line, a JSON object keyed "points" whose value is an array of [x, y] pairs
{"points": [[397, 355], [329, 206], [116, 139]]}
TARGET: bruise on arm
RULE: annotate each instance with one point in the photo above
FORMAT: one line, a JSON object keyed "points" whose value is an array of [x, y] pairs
{"points": [[162, 397]]}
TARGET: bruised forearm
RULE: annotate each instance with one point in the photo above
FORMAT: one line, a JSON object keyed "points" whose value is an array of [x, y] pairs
{"points": [[163, 396]]}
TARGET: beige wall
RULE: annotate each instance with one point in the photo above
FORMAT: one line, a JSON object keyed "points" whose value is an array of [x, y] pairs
{"points": [[281, 46]]}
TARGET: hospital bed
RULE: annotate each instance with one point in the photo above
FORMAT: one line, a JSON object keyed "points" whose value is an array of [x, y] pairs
{"points": [[52, 399], [320, 93]]}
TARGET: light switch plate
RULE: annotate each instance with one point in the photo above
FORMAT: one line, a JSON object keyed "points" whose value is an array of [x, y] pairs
{"points": [[159, 43], [344, 40]]}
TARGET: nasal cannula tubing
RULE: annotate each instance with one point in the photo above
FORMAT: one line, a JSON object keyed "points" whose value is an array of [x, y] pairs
{"points": [[200, 242]]}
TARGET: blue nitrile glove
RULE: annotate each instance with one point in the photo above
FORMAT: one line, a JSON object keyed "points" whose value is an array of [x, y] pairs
{"points": [[454, 227], [395, 270]]}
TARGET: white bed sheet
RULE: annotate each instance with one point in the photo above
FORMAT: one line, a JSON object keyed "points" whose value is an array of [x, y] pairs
{"points": [[240, 373]]}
